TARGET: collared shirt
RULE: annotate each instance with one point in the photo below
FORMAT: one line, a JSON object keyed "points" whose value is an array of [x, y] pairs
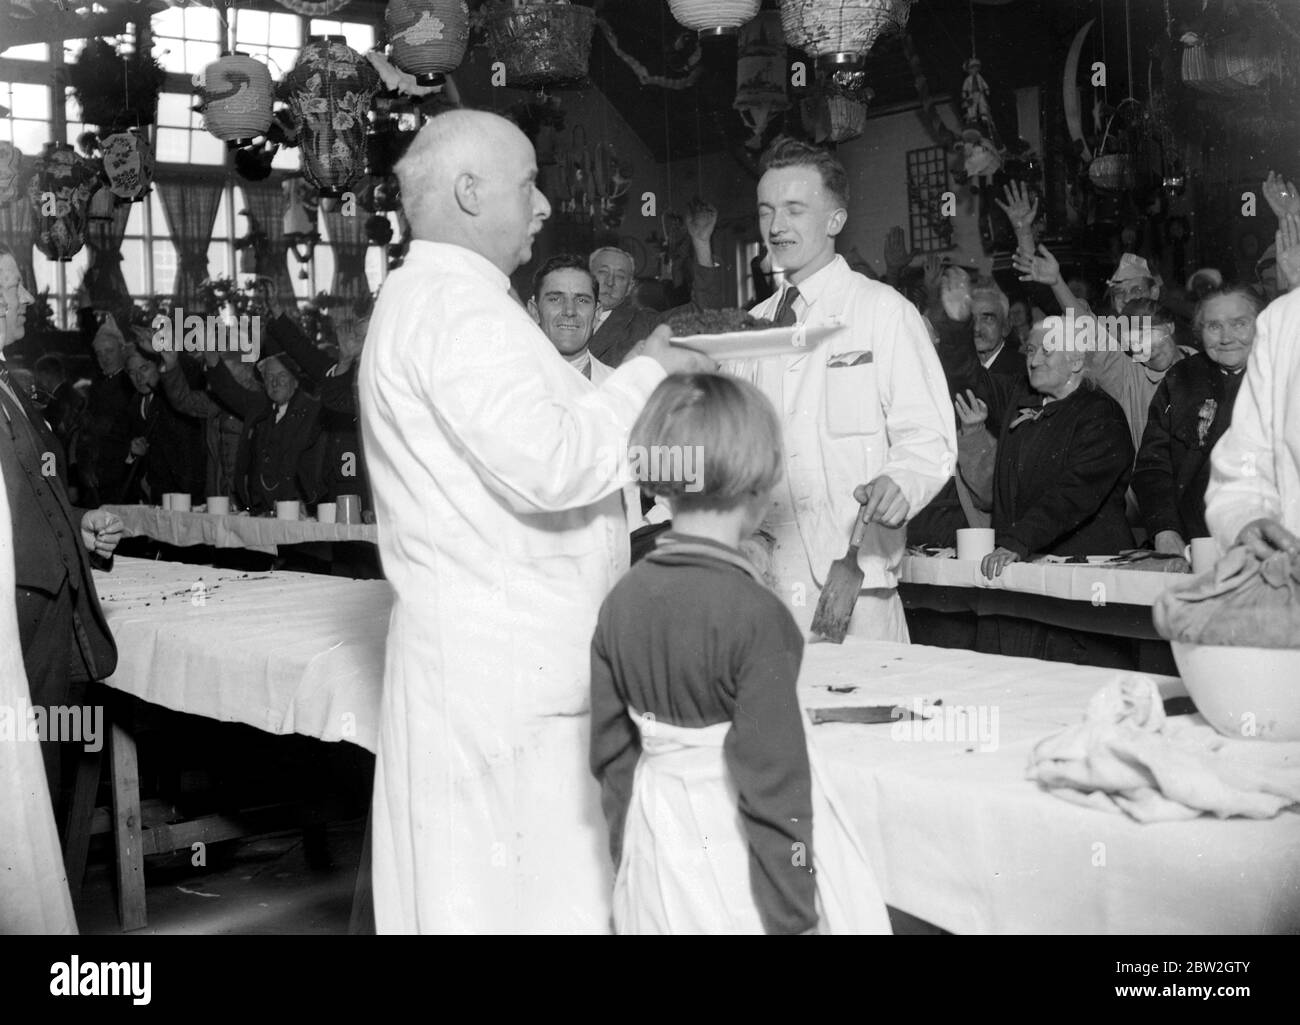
{"points": [[602, 315], [987, 361]]}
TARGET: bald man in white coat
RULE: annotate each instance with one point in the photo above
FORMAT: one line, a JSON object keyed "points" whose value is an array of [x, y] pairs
{"points": [[496, 473]]}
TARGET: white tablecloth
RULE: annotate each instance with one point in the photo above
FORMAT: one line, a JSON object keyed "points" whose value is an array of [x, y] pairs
{"points": [[261, 534], [284, 652], [1094, 584], [959, 838]]}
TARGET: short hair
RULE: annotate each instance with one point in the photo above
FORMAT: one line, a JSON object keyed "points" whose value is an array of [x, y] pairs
{"points": [[1242, 290], [725, 425], [53, 365], [987, 289], [631, 260], [563, 261], [285, 360], [786, 151], [1160, 316], [151, 357]]}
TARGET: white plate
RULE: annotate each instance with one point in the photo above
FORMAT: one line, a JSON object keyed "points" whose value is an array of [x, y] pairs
{"points": [[769, 341]]}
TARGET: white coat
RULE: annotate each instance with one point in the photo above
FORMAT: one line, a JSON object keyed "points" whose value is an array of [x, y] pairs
{"points": [[870, 399], [1255, 467], [496, 472]]}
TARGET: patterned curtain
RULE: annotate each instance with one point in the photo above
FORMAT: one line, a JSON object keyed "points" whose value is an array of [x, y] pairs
{"points": [[104, 281], [264, 202], [191, 207], [350, 241], [17, 228]]}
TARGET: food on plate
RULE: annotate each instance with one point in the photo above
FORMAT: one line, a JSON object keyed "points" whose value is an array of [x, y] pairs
{"points": [[714, 322]]}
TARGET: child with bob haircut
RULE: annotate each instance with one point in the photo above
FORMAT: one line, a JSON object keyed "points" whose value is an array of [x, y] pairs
{"points": [[716, 813]]}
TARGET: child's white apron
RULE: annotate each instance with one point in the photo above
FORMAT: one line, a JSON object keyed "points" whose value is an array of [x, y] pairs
{"points": [[685, 865]]}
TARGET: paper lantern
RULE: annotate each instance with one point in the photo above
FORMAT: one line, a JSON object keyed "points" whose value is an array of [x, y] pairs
{"points": [[1230, 66], [427, 38], [834, 118], [541, 43], [128, 164], [714, 17], [840, 32], [330, 89], [237, 98], [11, 165], [760, 74], [60, 192], [1113, 172]]}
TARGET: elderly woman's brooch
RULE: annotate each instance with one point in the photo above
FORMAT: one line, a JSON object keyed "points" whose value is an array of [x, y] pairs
{"points": [[1205, 418]]}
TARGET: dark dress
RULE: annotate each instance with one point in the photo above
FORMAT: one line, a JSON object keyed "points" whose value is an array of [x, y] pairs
{"points": [[106, 440], [696, 641], [175, 460], [1189, 413]]}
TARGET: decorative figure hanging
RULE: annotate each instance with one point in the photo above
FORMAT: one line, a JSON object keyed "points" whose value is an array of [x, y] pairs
{"points": [[760, 75], [11, 164], [237, 96], [330, 89], [60, 192], [975, 95], [836, 111], [427, 37], [540, 43], [128, 164]]}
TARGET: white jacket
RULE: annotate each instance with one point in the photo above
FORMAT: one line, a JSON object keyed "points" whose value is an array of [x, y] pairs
{"points": [[496, 474], [1255, 467], [869, 400]]}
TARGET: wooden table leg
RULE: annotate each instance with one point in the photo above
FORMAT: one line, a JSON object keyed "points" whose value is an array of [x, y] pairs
{"points": [[363, 898], [127, 829], [81, 811]]}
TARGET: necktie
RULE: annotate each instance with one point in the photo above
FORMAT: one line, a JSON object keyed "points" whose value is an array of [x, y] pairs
{"points": [[7, 384], [785, 312]]}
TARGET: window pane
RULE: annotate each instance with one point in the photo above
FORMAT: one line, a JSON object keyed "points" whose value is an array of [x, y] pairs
{"points": [[219, 260], [325, 27], [31, 136], [286, 29], [285, 159], [220, 227], [206, 149], [28, 100], [252, 26], [164, 266], [133, 266], [174, 109], [173, 145], [28, 52], [202, 23], [199, 55], [324, 266], [170, 22], [171, 54], [376, 266], [135, 220]]}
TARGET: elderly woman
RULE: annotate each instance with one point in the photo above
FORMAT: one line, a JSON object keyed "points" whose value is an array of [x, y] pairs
{"points": [[1189, 413]]}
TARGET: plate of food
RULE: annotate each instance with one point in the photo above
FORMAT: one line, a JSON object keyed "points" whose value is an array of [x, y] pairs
{"points": [[736, 334]]}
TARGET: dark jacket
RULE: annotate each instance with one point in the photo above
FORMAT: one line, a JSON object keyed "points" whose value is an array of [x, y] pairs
{"points": [[1011, 362], [174, 462], [48, 550], [628, 323], [276, 461], [106, 441], [1189, 413]]}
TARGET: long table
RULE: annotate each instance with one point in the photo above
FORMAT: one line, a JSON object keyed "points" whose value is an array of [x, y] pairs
{"points": [[959, 837], [257, 533]]}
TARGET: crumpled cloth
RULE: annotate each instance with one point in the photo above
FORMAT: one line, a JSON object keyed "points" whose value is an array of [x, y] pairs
{"points": [[1245, 602], [1128, 756]]}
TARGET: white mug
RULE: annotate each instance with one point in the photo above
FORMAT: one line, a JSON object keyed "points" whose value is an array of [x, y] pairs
{"points": [[327, 512], [180, 502], [1202, 553], [167, 500], [219, 505], [973, 543], [286, 510], [349, 508]]}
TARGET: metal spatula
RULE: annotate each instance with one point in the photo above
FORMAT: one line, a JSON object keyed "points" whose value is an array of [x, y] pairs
{"points": [[843, 582]]}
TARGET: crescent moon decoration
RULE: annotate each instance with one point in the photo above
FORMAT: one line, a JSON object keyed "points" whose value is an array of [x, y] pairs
{"points": [[314, 8], [1071, 90]]}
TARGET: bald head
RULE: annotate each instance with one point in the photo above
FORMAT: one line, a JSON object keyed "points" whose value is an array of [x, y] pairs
{"points": [[469, 179]]}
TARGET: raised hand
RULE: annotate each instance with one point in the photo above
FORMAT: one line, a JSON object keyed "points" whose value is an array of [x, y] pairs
{"points": [[1287, 243], [971, 410], [1042, 268], [701, 219], [954, 293], [897, 255], [1020, 207], [1281, 195]]}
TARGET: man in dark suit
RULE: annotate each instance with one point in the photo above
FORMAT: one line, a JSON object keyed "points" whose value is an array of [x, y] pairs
{"points": [[995, 344], [621, 321], [107, 434], [63, 406], [65, 639]]}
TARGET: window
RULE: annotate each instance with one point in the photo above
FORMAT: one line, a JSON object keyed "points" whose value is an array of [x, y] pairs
{"points": [[187, 39], [275, 38], [28, 124], [181, 136], [360, 37]]}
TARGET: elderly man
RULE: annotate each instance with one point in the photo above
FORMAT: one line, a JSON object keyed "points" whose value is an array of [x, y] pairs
{"points": [[107, 434], [991, 316], [866, 413], [496, 472], [621, 321], [166, 446], [66, 642]]}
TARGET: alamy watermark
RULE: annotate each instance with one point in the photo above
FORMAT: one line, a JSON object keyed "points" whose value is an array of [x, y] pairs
{"points": [[1089, 333], [639, 464], [936, 723], [182, 332], [75, 724]]}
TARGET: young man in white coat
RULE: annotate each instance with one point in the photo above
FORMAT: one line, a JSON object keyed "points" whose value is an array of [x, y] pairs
{"points": [[500, 531], [866, 412]]}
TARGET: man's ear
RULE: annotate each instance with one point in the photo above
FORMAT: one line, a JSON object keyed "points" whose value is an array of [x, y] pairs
{"points": [[534, 312], [466, 189], [836, 222]]}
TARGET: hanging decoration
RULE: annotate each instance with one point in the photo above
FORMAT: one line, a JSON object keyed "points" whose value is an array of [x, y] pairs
{"points": [[541, 43], [237, 98], [642, 73], [114, 90], [593, 181], [761, 75], [841, 33], [301, 219], [11, 165], [1229, 65], [59, 193], [128, 164], [427, 38], [714, 17], [330, 89], [836, 111]]}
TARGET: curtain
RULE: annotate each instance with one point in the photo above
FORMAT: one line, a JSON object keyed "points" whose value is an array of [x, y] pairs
{"points": [[17, 228], [264, 202], [104, 281], [191, 207], [350, 241]]}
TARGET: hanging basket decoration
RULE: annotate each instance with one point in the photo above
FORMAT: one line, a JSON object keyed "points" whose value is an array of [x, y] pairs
{"points": [[427, 38], [128, 164], [113, 90], [1229, 66], [841, 32], [238, 96], [59, 193], [761, 75], [541, 44], [1113, 172], [836, 111], [11, 166], [330, 89], [714, 17]]}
